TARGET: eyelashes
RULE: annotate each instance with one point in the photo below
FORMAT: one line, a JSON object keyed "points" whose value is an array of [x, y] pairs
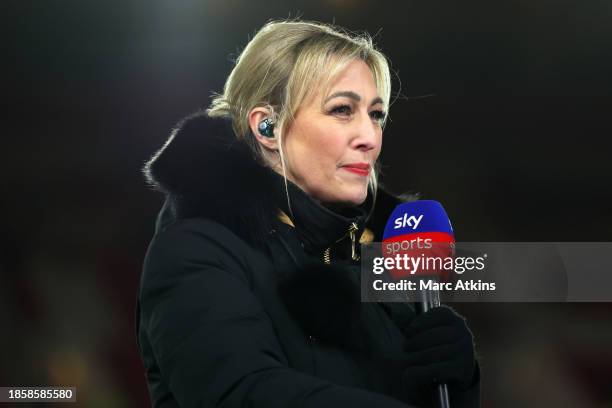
{"points": [[341, 110], [378, 115], [347, 110]]}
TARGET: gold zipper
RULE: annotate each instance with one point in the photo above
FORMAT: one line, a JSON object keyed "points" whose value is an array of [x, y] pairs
{"points": [[326, 256], [352, 230], [351, 233]]}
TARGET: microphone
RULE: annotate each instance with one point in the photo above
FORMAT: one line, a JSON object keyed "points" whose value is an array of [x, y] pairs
{"points": [[421, 229]]}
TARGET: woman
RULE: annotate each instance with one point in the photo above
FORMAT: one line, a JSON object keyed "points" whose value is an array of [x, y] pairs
{"points": [[250, 291]]}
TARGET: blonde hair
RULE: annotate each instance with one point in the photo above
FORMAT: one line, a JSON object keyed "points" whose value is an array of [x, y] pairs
{"points": [[282, 66]]}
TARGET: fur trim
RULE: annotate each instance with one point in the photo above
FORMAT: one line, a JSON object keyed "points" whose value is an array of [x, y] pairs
{"points": [[205, 171]]}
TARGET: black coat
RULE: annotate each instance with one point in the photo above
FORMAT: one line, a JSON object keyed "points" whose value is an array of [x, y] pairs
{"points": [[237, 308]]}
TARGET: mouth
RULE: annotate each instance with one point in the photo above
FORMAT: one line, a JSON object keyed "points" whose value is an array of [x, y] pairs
{"points": [[361, 169]]}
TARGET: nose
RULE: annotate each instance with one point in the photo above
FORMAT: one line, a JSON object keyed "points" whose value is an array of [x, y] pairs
{"points": [[367, 134]]}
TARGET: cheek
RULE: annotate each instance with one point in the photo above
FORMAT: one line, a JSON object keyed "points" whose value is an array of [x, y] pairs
{"points": [[322, 150], [331, 151], [378, 148]]}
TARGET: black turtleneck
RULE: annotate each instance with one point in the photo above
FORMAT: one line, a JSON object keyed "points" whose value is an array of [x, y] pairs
{"points": [[317, 226]]}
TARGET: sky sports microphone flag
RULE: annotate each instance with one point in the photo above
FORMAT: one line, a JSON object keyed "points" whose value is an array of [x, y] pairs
{"points": [[420, 234]]}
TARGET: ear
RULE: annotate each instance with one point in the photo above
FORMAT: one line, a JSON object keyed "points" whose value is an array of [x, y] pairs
{"points": [[256, 115]]}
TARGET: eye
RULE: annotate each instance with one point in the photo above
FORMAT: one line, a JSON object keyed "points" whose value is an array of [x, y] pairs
{"points": [[342, 110], [378, 115]]}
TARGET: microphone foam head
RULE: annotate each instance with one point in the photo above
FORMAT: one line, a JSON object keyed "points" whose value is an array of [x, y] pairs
{"points": [[419, 238]]}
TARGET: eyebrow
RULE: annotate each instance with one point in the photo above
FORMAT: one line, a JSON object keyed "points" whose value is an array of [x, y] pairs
{"points": [[352, 95]]}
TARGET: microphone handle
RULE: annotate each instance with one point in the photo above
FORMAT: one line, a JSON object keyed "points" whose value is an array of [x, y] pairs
{"points": [[428, 300]]}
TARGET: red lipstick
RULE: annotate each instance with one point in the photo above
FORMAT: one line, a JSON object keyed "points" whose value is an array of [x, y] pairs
{"points": [[362, 169]]}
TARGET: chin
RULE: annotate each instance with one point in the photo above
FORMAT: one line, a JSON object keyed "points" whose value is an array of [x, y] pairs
{"points": [[342, 195], [354, 197]]}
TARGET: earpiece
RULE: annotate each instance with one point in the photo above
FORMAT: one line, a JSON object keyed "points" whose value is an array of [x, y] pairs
{"points": [[266, 128]]}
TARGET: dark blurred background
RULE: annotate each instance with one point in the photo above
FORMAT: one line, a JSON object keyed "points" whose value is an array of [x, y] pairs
{"points": [[503, 116]]}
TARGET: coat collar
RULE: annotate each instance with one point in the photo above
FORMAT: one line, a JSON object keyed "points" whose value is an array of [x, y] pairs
{"points": [[318, 226], [205, 171]]}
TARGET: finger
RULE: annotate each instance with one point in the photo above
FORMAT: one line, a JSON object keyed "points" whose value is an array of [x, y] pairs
{"points": [[438, 316], [445, 353], [429, 374], [433, 337]]}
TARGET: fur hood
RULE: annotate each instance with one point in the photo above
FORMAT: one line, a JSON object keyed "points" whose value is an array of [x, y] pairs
{"points": [[205, 171]]}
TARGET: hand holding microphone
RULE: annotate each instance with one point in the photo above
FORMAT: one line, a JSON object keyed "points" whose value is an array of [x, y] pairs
{"points": [[439, 349]]}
